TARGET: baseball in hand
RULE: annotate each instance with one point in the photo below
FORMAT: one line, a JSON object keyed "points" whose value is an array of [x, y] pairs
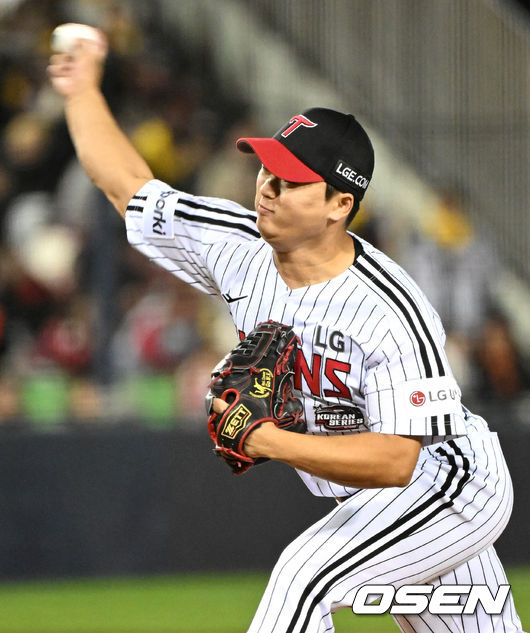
{"points": [[65, 36]]}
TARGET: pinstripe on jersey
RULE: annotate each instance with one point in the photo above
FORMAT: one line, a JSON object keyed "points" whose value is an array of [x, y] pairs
{"points": [[366, 335], [457, 503], [371, 360], [399, 529]]}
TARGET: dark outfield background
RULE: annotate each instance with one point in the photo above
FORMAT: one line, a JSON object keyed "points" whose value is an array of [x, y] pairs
{"points": [[442, 86], [130, 500]]}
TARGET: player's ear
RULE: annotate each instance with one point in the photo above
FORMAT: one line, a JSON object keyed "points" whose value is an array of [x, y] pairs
{"points": [[342, 204]]}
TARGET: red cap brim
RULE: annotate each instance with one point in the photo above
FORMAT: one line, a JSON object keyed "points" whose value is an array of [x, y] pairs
{"points": [[278, 159]]}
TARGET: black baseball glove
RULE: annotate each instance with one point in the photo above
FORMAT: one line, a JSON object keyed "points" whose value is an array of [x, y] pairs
{"points": [[256, 380]]}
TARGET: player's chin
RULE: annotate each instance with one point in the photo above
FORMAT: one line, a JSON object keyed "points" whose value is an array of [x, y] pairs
{"points": [[266, 227], [278, 239]]}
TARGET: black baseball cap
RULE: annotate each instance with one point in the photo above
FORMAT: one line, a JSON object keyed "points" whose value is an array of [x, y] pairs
{"points": [[319, 145]]}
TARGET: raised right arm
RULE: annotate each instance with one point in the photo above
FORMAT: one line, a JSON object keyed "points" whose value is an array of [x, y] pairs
{"points": [[106, 154]]}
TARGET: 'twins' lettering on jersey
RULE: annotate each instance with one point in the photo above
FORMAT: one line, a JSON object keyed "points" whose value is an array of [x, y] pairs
{"points": [[325, 377]]}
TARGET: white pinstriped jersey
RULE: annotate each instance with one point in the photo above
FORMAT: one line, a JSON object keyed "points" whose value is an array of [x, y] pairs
{"points": [[372, 356]]}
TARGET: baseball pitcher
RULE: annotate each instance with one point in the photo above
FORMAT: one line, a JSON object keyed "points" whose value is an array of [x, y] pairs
{"points": [[358, 361]]}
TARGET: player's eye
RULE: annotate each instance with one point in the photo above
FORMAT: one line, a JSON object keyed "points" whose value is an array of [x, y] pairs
{"points": [[292, 185]]}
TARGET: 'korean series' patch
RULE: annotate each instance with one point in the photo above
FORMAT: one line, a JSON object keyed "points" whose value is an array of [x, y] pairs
{"points": [[339, 418]]}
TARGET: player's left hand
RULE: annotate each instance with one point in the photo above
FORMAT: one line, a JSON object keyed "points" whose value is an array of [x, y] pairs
{"points": [[253, 385]]}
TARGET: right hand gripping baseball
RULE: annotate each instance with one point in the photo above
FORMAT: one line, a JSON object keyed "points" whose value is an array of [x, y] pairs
{"points": [[80, 67], [256, 380]]}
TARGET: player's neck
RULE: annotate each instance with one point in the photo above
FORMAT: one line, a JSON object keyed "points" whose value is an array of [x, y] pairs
{"points": [[306, 266]]}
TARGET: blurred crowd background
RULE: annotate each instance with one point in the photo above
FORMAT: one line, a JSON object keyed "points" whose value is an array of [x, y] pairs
{"points": [[90, 331]]}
